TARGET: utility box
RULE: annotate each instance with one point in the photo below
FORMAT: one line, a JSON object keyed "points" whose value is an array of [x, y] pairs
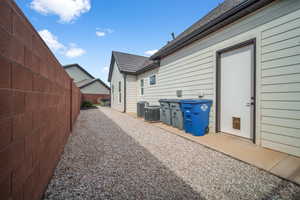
{"points": [[141, 108], [152, 113], [165, 112]]}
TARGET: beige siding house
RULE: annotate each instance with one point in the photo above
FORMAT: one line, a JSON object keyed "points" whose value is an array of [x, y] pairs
{"points": [[242, 50], [92, 89], [122, 76], [117, 89]]}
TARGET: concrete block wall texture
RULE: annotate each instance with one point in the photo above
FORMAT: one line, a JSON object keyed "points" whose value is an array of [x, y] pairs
{"points": [[75, 103], [94, 98], [38, 105]]}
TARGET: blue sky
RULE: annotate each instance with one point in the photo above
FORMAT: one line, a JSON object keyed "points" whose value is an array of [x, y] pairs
{"points": [[86, 31]]}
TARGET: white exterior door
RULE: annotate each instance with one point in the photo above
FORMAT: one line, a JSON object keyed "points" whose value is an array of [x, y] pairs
{"points": [[235, 91]]}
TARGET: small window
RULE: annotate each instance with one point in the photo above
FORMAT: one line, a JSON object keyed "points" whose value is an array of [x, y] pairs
{"points": [[152, 80], [142, 87], [120, 92]]}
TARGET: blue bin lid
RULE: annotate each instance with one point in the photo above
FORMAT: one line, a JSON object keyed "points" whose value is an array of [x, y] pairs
{"points": [[195, 101], [174, 100]]}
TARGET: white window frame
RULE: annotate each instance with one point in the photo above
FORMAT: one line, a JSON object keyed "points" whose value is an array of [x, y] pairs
{"points": [[153, 75]]}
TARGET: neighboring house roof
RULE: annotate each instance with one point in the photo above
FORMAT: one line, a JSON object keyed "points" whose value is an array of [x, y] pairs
{"points": [[85, 82], [224, 14], [130, 63], [79, 67]]}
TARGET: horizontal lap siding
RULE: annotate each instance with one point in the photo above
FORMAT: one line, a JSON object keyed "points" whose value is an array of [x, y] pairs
{"points": [[192, 74], [77, 74], [131, 93], [116, 77], [277, 32], [280, 84], [95, 88]]}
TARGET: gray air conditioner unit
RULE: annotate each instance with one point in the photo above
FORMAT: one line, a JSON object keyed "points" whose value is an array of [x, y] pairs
{"points": [[152, 113]]}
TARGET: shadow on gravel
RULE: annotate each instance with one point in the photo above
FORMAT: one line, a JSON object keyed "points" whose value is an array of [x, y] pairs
{"points": [[102, 162], [276, 192]]}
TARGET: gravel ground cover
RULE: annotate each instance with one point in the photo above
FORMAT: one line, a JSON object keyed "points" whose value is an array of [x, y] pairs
{"points": [[113, 156]]}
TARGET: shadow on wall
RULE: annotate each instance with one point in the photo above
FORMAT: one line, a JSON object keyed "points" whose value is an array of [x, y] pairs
{"points": [[112, 165]]}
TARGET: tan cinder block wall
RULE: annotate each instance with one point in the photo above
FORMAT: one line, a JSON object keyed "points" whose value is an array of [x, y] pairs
{"points": [[38, 105]]}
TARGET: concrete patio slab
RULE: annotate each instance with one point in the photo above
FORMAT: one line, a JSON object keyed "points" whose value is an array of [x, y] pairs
{"points": [[277, 163], [288, 168]]}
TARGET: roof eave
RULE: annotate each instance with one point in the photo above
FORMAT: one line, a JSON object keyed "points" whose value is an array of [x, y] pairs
{"points": [[112, 61], [81, 68], [94, 82], [228, 17], [149, 67]]}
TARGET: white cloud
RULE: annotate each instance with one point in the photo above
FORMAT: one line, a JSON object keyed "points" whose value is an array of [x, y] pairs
{"points": [[108, 30], [51, 40], [103, 32], [105, 69], [100, 33], [70, 51], [67, 10], [73, 52], [151, 52]]}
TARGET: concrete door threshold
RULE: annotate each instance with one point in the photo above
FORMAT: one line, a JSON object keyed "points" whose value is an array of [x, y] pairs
{"points": [[280, 164], [277, 163]]}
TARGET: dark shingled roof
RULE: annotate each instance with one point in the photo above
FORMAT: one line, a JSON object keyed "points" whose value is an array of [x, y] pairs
{"points": [[130, 63], [228, 7]]}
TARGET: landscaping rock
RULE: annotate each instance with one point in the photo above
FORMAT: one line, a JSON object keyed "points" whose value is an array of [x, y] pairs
{"points": [[111, 155]]}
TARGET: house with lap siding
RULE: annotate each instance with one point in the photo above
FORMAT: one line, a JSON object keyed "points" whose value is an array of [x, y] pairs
{"points": [[92, 89], [123, 72], [245, 56]]}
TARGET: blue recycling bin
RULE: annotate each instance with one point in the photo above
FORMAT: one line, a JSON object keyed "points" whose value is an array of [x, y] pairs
{"points": [[196, 115]]}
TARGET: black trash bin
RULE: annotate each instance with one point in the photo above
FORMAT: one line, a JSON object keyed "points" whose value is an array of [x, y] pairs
{"points": [[176, 113], [141, 108], [165, 112]]}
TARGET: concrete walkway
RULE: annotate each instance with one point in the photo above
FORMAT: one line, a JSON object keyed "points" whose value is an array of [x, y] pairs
{"points": [[113, 156], [277, 163]]}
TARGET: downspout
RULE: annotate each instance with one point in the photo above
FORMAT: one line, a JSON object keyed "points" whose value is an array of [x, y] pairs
{"points": [[124, 93], [110, 92]]}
